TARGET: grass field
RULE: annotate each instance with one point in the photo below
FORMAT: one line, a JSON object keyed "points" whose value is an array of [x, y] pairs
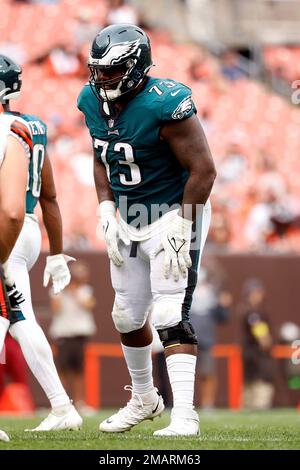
{"points": [[278, 429]]}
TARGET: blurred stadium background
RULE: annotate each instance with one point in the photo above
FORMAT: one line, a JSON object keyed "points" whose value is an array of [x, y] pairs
{"points": [[242, 61]]}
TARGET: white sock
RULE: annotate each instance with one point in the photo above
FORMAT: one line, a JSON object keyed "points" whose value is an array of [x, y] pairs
{"points": [[38, 355], [181, 370], [4, 325], [139, 363]]}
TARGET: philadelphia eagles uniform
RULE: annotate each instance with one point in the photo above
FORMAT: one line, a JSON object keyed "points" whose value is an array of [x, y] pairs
{"points": [[144, 174], [38, 130], [149, 143], [32, 133]]}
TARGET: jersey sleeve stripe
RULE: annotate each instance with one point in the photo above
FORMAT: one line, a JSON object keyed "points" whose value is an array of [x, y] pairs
{"points": [[20, 130]]}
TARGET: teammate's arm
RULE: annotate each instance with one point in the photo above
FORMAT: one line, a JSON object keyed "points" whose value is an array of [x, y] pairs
{"points": [[13, 184], [56, 265], [188, 142], [50, 209]]}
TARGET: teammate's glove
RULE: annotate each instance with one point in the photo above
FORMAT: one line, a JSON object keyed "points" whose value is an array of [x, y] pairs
{"points": [[176, 244], [57, 269], [109, 224], [15, 297]]}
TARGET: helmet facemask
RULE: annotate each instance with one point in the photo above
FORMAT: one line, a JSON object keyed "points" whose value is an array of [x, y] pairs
{"points": [[125, 78]]}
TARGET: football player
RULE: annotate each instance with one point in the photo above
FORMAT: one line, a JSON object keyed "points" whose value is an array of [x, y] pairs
{"points": [[14, 153], [4, 323], [31, 133], [152, 162]]}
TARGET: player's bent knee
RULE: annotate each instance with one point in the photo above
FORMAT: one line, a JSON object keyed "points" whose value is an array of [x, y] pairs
{"points": [[124, 319], [167, 312], [183, 333]]}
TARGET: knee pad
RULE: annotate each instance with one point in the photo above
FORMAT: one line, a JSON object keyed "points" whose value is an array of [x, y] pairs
{"points": [[167, 311], [183, 333], [124, 319]]}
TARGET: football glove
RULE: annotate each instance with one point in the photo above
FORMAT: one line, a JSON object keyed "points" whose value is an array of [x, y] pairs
{"points": [[15, 297], [109, 226], [57, 269], [176, 244]]}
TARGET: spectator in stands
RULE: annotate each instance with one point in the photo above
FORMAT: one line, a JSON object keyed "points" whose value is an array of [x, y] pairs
{"points": [[257, 344], [63, 60], [201, 67], [86, 28], [72, 325], [205, 116], [220, 232], [77, 240], [14, 50], [211, 306], [274, 214], [121, 12], [233, 165], [231, 67]]}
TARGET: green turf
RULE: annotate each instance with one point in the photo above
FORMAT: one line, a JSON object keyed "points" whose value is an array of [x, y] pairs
{"points": [[278, 429]]}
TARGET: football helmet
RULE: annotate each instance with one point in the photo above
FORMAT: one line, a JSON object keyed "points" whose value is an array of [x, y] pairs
{"points": [[10, 79], [119, 59]]}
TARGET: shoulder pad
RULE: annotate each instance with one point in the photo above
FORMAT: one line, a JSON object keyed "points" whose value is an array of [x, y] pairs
{"points": [[177, 102], [20, 130]]}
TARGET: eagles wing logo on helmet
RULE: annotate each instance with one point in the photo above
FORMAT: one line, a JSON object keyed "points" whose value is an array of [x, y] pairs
{"points": [[116, 53], [183, 108]]}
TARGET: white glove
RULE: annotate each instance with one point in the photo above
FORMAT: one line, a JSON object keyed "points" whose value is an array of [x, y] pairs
{"points": [[57, 269], [109, 224], [176, 244]]}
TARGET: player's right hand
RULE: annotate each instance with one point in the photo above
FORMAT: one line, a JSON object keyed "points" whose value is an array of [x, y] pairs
{"points": [[110, 227], [111, 230]]}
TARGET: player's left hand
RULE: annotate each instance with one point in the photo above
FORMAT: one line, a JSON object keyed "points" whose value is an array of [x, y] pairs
{"points": [[176, 245], [15, 297], [57, 269]]}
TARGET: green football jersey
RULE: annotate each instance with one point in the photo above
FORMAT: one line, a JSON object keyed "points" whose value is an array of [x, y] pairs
{"points": [[141, 167], [39, 138]]}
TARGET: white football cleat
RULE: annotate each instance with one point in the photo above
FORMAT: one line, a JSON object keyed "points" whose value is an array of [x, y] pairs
{"points": [[70, 421], [139, 408], [3, 436], [184, 422]]}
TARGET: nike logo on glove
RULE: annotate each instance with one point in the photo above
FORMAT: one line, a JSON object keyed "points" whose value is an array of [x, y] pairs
{"points": [[172, 242], [174, 93]]}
